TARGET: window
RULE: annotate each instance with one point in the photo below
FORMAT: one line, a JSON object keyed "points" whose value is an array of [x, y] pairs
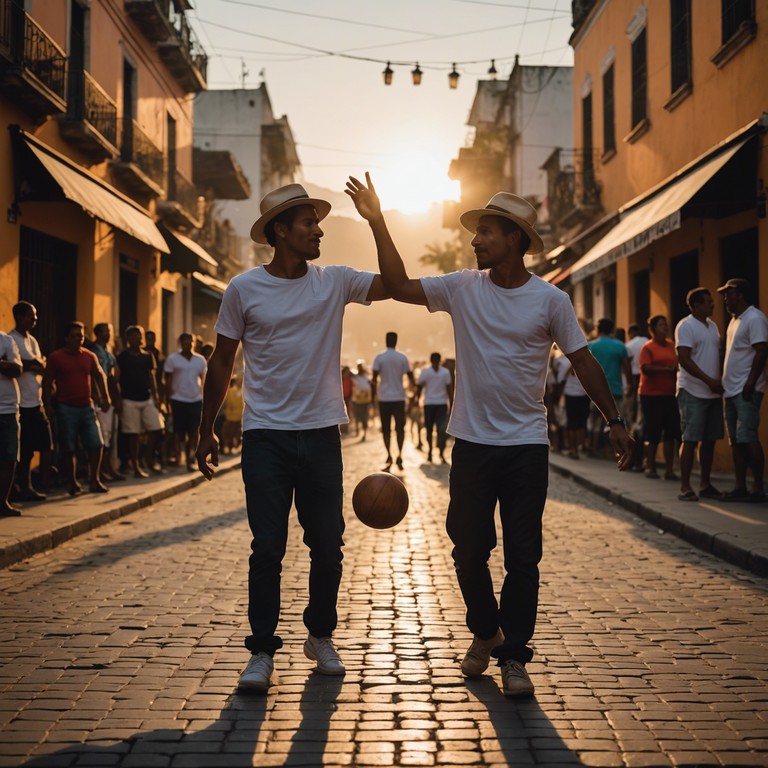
{"points": [[680, 17], [639, 79], [586, 138], [609, 124], [735, 13]]}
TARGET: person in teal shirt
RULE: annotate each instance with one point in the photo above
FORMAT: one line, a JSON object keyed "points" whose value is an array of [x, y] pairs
{"points": [[612, 356]]}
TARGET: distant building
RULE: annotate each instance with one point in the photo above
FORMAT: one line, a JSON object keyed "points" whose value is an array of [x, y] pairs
{"points": [[517, 124], [242, 122]]}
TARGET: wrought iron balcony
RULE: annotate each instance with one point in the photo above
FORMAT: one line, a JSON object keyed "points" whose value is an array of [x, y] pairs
{"points": [[33, 67], [141, 165], [152, 17], [572, 184], [184, 206], [91, 119], [184, 56]]}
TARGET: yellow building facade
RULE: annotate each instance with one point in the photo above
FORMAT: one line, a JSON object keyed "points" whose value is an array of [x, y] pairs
{"points": [[96, 149], [670, 97]]}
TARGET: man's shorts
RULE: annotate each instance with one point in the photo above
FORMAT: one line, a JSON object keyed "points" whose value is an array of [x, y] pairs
{"points": [[75, 421], [661, 419], [390, 408], [742, 418], [35, 431], [186, 417], [9, 437], [140, 416], [701, 418], [106, 423]]}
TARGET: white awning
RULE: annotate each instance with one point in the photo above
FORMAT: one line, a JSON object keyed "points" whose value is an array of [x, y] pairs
{"points": [[96, 197], [641, 224], [217, 286]]}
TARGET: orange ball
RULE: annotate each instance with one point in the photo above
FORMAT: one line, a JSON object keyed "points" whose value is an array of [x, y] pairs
{"points": [[380, 500]]}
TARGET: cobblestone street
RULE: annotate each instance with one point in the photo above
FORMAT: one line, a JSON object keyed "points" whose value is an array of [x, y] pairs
{"points": [[123, 646]]}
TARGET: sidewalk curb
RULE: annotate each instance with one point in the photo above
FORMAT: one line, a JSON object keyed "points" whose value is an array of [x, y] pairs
{"points": [[720, 544], [36, 544]]}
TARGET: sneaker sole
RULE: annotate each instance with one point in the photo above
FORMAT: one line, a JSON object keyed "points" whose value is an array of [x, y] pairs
{"points": [[253, 687], [519, 694], [323, 670]]}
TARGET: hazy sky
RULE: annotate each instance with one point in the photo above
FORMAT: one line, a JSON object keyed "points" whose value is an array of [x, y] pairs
{"points": [[343, 118]]}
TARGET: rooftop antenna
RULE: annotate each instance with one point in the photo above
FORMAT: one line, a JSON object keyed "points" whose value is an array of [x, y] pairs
{"points": [[243, 73]]}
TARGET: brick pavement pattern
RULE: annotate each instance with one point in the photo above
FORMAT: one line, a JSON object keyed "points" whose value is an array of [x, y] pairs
{"points": [[123, 647]]}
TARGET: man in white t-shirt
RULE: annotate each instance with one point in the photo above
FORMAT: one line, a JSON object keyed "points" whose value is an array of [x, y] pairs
{"points": [[389, 367], [34, 424], [436, 383], [10, 370], [184, 372], [699, 392], [746, 353], [288, 316], [505, 321]]}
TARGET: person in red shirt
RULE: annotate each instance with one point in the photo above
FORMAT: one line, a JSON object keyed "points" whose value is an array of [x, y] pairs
{"points": [[658, 376], [73, 370]]}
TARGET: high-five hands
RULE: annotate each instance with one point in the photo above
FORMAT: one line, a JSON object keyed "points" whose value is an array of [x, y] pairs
{"points": [[364, 197]]}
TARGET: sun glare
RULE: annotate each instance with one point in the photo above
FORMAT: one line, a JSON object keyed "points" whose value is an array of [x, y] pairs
{"points": [[412, 182]]}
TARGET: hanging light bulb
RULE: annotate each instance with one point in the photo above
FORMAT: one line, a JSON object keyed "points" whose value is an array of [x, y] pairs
{"points": [[388, 72], [416, 74], [492, 71], [453, 78]]}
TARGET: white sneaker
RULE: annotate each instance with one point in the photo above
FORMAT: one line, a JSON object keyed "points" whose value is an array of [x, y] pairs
{"points": [[478, 655], [321, 650], [258, 673]]}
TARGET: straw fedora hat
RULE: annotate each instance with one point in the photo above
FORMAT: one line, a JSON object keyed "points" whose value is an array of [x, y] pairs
{"points": [[511, 207], [281, 199]]}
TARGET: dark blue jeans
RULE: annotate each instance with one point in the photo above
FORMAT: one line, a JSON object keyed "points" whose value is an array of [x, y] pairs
{"points": [[516, 476], [304, 467]]}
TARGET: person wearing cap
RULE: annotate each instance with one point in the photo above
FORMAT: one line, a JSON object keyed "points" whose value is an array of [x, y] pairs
{"points": [[746, 353], [288, 315], [505, 320], [699, 392]]}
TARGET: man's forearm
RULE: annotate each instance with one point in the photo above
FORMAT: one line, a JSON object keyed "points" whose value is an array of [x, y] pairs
{"points": [[214, 391], [758, 366], [390, 262], [592, 378]]}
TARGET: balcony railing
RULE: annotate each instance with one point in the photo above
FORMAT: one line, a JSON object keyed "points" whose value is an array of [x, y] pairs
{"points": [[183, 204], [137, 148], [572, 182], [28, 50], [91, 119], [185, 57]]}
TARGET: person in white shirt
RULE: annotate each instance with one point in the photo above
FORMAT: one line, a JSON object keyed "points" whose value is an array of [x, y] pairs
{"points": [[184, 372], [35, 427], [746, 353], [390, 367], [699, 392], [505, 321], [288, 316], [576, 406], [436, 383], [10, 370]]}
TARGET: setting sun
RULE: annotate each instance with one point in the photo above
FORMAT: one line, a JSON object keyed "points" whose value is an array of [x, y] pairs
{"points": [[411, 182]]}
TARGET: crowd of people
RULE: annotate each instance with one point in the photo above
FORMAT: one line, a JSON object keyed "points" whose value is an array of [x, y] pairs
{"points": [[680, 392], [135, 411], [418, 397]]}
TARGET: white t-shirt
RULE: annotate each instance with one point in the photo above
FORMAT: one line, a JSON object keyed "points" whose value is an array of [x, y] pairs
{"points": [[704, 343], [391, 367], [187, 381], [9, 389], [565, 374], [29, 383], [633, 352], [750, 327], [436, 384], [503, 339], [291, 335]]}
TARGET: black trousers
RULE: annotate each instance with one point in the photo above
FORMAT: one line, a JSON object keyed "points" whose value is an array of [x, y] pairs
{"points": [[436, 416], [282, 467], [516, 477]]}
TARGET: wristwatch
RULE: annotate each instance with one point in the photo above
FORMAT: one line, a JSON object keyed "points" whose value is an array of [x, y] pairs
{"points": [[616, 420]]}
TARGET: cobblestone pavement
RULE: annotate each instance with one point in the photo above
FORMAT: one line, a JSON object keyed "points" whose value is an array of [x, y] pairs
{"points": [[123, 646]]}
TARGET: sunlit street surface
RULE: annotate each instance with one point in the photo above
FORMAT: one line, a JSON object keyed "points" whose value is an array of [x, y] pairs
{"points": [[124, 646]]}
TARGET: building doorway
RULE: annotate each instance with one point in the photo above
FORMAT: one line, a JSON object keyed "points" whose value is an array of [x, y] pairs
{"points": [[642, 295], [129, 294], [683, 276], [48, 279], [739, 258]]}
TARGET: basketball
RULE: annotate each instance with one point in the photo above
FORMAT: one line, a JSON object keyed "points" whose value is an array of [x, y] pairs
{"points": [[380, 500]]}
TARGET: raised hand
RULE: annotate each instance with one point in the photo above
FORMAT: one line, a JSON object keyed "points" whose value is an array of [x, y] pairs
{"points": [[364, 197]]}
